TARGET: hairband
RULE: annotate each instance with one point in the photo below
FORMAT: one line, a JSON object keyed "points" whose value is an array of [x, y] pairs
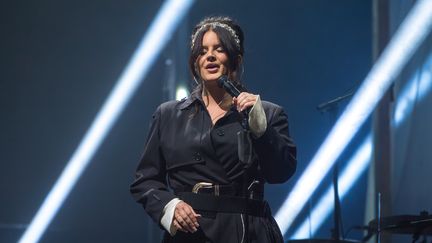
{"points": [[213, 25]]}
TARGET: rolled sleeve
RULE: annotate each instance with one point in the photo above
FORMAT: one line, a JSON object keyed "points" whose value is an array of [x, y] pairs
{"points": [[168, 215]]}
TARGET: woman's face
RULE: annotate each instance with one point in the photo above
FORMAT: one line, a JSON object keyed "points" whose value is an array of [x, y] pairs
{"points": [[213, 61]]}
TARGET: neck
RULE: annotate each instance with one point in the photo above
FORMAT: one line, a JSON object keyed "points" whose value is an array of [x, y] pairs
{"points": [[214, 95]]}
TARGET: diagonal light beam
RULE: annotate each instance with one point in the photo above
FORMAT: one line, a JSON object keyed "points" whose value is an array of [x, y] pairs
{"points": [[160, 31], [355, 168], [418, 86], [402, 46]]}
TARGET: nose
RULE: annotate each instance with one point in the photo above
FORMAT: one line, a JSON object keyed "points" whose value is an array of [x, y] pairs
{"points": [[211, 57]]}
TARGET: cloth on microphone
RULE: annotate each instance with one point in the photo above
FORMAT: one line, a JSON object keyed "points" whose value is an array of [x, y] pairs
{"points": [[257, 119]]}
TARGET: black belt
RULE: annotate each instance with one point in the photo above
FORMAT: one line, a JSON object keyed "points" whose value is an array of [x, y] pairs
{"points": [[256, 190], [224, 204]]}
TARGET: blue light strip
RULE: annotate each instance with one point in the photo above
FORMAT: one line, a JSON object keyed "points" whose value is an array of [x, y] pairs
{"points": [[356, 166], [159, 33], [416, 88], [405, 42]]}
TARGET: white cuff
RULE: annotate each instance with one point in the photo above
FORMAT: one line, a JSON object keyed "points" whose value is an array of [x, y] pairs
{"points": [[168, 215], [257, 119]]}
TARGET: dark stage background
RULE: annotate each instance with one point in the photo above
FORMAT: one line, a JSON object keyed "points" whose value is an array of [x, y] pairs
{"points": [[60, 59]]}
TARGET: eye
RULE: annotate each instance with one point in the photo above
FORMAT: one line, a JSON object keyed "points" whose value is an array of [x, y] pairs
{"points": [[220, 49], [203, 51]]}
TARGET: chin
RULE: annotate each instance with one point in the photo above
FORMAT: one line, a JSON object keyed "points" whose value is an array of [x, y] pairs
{"points": [[212, 77]]}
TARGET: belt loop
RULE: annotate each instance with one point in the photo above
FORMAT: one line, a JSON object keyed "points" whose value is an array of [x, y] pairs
{"points": [[216, 189]]}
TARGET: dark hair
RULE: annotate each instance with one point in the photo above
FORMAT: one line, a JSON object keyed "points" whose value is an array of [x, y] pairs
{"points": [[228, 42]]}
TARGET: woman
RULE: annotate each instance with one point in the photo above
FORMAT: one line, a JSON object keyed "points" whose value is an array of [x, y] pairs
{"points": [[191, 180]]}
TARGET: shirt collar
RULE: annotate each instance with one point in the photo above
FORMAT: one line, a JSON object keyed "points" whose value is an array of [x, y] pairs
{"points": [[196, 97], [186, 102]]}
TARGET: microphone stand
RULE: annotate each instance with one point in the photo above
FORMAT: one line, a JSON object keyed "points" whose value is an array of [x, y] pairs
{"points": [[332, 107]]}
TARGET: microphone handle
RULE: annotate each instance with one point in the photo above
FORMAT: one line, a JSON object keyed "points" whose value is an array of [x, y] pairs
{"points": [[228, 86]]}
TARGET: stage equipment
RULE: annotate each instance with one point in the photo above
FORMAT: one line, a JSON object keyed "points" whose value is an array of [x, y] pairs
{"points": [[415, 225]]}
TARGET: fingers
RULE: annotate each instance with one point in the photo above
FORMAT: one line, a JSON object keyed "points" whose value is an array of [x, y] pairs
{"points": [[244, 101], [185, 218], [178, 226]]}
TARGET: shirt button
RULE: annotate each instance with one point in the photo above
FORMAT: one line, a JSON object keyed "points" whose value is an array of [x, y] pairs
{"points": [[220, 132], [197, 156]]}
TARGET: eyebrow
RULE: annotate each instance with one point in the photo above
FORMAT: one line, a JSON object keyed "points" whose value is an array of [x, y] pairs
{"points": [[217, 46]]}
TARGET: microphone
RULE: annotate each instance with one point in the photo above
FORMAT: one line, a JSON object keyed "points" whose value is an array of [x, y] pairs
{"points": [[228, 86], [232, 90]]}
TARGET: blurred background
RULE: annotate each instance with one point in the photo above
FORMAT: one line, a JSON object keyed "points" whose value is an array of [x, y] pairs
{"points": [[60, 60]]}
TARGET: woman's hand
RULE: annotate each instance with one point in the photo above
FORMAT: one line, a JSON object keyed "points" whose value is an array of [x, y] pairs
{"points": [[244, 101], [185, 219]]}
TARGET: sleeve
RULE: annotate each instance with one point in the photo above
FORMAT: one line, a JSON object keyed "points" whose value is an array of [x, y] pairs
{"points": [[257, 119], [168, 215], [150, 187], [275, 149]]}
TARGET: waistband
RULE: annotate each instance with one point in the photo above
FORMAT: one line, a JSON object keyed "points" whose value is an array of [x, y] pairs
{"points": [[224, 204]]}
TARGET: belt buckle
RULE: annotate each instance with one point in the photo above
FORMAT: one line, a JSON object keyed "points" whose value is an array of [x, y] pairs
{"points": [[201, 185]]}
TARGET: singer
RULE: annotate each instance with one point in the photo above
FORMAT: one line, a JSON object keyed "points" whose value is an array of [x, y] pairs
{"points": [[197, 179]]}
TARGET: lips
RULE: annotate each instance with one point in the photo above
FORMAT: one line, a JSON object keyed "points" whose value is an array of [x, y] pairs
{"points": [[212, 67]]}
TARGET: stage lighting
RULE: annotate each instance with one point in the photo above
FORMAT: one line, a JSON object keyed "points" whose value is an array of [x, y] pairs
{"points": [[181, 93], [402, 46], [416, 89], [418, 86], [160, 31], [355, 168]]}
